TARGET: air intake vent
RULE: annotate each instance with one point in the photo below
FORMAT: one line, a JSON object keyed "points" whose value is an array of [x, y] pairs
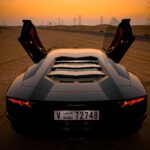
{"points": [[76, 58], [80, 69]]}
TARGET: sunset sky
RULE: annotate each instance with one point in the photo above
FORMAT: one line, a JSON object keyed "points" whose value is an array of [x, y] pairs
{"points": [[45, 11]]}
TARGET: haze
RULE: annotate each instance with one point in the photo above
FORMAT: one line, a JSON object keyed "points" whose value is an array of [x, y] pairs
{"points": [[43, 12]]}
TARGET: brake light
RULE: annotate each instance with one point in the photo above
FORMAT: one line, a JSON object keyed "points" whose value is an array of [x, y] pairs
{"points": [[20, 102], [133, 101]]}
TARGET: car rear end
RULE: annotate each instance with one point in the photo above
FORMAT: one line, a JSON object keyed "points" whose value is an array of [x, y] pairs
{"points": [[77, 116], [77, 101]]}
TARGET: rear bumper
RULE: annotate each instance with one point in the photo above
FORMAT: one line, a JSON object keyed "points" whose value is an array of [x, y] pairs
{"points": [[77, 126], [112, 116]]}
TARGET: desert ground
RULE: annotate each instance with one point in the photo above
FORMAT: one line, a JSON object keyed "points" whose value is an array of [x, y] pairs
{"points": [[14, 60]]}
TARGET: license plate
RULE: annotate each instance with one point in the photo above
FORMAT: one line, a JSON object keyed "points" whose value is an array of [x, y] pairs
{"points": [[76, 115]]}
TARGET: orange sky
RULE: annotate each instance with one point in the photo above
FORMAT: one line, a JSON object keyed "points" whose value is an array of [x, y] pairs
{"points": [[43, 11]]}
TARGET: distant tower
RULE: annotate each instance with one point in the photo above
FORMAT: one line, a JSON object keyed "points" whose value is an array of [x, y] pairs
{"points": [[101, 20], [80, 19], [148, 19], [59, 21], [62, 22], [74, 21], [50, 23], [5, 24]]}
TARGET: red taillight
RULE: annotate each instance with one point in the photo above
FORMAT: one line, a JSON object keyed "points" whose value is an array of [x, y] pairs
{"points": [[20, 102], [133, 101]]}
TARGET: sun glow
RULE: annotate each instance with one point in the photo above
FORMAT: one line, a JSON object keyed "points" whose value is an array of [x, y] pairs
{"points": [[15, 10]]}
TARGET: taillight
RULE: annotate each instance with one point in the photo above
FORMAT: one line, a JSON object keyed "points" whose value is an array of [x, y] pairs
{"points": [[20, 102], [132, 102]]}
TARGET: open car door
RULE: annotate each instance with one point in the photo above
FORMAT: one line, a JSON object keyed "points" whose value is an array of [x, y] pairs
{"points": [[29, 39], [121, 42]]}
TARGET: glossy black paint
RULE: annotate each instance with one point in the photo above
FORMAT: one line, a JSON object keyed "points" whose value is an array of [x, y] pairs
{"points": [[75, 79]]}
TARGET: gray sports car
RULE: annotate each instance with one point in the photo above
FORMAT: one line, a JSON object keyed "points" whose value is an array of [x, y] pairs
{"points": [[76, 89]]}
